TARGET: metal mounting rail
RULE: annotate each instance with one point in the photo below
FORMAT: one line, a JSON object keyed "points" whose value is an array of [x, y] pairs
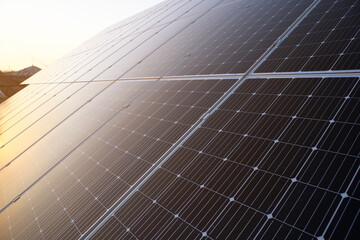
{"points": [[307, 74], [311, 74]]}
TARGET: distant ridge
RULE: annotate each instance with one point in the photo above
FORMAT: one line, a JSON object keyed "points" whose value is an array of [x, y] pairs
{"points": [[10, 82], [27, 72]]}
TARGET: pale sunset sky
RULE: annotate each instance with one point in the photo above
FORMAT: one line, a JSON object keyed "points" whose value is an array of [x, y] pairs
{"points": [[37, 32]]}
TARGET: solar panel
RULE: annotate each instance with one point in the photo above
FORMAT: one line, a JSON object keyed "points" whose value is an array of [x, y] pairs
{"points": [[327, 39], [192, 120]]}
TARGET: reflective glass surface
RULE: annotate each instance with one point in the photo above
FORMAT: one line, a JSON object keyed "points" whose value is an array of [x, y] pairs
{"points": [[246, 173], [151, 129], [117, 154], [327, 39]]}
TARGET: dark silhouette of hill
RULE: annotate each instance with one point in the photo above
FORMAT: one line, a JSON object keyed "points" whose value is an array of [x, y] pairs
{"points": [[10, 82], [27, 72]]}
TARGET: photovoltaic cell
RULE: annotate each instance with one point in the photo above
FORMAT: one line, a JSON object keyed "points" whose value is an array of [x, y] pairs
{"points": [[327, 39], [349, 209], [246, 174]]}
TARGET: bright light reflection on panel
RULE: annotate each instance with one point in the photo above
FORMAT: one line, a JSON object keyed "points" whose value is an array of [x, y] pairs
{"points": [[98, 169]]}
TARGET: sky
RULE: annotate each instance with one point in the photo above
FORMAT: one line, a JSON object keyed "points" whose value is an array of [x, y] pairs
{"points": [[38, 32]]}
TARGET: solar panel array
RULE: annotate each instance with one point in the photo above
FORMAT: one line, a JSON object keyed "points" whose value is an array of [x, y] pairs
{"points": [[214, 119]]}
